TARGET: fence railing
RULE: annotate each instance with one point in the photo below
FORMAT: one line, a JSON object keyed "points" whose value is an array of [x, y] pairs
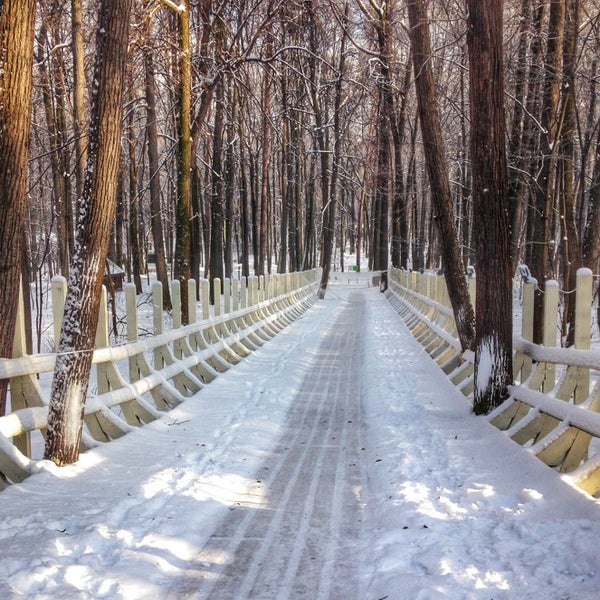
{"points": [[135, 382], [554, 403]]}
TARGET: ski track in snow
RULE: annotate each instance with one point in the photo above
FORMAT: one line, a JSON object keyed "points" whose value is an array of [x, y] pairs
{"points": [[336, 462]]}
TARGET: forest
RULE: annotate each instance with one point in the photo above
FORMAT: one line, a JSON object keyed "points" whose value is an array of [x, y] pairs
{"points": [[260, 136]]}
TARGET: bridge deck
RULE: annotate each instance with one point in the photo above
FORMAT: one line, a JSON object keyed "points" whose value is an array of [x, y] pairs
{"points": [[335, 462]]}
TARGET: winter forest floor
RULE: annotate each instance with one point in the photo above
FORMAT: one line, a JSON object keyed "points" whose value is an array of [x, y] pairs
{"points": [[335, 462]]}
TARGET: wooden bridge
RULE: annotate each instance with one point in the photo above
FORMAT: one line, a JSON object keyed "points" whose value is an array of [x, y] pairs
{"points": [[552, 409], [134, 383], [554, 403]]}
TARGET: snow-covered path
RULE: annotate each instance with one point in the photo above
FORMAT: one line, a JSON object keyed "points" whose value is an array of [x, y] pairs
{"points": [[303, 541], [335, 462]]}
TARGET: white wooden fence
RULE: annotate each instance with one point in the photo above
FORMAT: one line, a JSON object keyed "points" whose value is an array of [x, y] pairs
{"points": [[554, 403], [137, 381]]}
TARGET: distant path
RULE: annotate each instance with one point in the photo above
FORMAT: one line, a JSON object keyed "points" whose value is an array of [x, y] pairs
{"points": [[302, 541]]}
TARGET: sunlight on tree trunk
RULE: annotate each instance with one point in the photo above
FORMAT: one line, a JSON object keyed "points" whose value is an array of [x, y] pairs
{"points": [[16, 57]]}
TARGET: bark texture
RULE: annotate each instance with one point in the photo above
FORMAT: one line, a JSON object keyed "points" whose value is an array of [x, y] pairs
{"points": [[437, 170], [94, 219], [16, 57], [491, 211]]}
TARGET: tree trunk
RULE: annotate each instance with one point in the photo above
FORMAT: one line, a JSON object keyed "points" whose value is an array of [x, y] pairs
{"points": [[542, 261], [454, 270], [79, 87], [16, 59], [134, 219], [229, 190], [158, 237], [216, 200], [591, 238], [400, 217], [329, 210], [95, 215], [287, 176], [571, 249], [517, 134], [54, 101], [493, 348], [259, 266], [183, 216]]}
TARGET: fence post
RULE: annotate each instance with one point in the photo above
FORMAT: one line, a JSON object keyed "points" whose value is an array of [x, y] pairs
{"points": [[244, 292], [157, 306], [235, 295], [58, 291], [227, 295], [132, 326], [19, 342], [549, 338], [527, 325], [131, 312], [17, 392], [217, 296], [192, 305], [101, 341], [251, 290], [205, 298], [102, 327], [157, 319], [583, 326], [176, 301]]}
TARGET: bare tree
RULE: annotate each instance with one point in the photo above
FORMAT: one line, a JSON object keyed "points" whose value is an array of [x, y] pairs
{"points": [[95, 215]]}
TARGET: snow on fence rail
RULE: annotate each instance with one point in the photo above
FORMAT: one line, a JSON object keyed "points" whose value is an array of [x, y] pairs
{"points": [[137, 381], [554, 404]]}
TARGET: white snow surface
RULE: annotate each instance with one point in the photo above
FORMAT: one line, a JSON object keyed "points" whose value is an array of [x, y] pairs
{"points": [[427, 500]]}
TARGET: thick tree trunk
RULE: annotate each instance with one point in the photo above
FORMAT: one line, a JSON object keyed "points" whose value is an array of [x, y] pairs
{"points": [[493, 349], [16, 59], [437, 170], [95, 215]]}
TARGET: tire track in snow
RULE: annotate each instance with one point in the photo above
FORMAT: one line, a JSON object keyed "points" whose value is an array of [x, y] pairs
{"points": [[304, 543]]}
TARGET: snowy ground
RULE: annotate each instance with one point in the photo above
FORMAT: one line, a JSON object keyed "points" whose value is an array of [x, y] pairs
{"points": [[336, 462]]}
